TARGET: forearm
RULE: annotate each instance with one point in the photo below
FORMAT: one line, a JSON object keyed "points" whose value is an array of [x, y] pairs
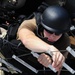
{"points": [[32, 42]]}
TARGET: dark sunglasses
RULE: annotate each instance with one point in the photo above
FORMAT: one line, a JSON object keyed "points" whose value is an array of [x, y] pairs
{"points": [[55, 33]]}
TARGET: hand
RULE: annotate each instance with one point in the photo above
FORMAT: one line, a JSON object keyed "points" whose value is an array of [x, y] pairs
{"points": [[58, 60], [44, 59], [57, 57]]}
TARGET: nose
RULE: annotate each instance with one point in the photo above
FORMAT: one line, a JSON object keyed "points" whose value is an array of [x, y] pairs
{"points": [[53, 34]]}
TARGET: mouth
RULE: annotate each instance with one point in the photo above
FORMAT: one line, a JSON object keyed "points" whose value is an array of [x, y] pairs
{"points": [[50, 40]]}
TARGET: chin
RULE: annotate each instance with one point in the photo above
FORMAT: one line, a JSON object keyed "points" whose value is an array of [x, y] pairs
{"points": [[51, 40]]}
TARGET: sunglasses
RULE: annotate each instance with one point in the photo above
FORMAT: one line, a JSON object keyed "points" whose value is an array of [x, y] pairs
{"points": [[54, 33]]}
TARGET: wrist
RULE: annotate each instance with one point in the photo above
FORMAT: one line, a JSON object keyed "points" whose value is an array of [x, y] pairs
{"points": [[49, 52]]}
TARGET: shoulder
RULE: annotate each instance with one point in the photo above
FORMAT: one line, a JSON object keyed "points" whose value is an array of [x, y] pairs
{"points": [[28, 24]]}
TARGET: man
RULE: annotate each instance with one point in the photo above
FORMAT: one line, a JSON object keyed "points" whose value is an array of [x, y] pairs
{"points": [[49, 34]]}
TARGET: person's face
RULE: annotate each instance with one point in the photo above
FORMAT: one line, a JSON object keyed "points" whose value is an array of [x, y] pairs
{"points": [[52, 37]]}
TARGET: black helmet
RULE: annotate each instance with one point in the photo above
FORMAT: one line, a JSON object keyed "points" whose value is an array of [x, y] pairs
{"points": [[55, 19]]}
